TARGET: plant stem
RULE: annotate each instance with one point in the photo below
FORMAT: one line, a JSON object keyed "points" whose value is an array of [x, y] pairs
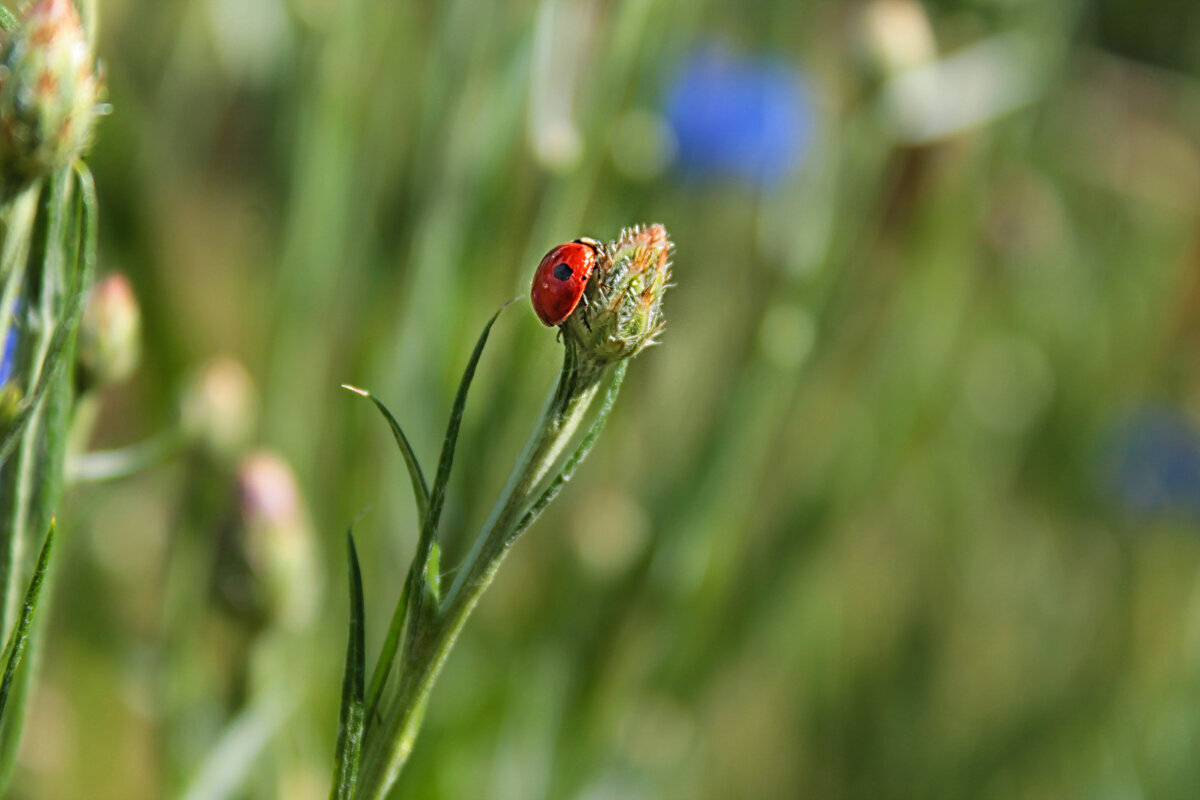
{"points": [[565, 409]]}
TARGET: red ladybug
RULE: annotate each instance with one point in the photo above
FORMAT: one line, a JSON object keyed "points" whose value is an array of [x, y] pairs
{"points": [[560, 279]]}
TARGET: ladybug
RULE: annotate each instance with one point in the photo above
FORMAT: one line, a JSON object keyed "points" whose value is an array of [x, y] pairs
{"points": [[560, 279]]}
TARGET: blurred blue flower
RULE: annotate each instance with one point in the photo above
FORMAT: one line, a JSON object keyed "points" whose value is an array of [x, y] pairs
{"points": [[1156, 463], [9, 356], [750, 117]]}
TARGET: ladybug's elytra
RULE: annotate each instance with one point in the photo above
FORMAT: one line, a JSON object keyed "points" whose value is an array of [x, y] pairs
{"points": [[560, 279]]}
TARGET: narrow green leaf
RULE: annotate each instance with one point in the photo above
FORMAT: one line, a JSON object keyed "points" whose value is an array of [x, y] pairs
{"points": [[82, 255], [426, 562], [437, 497], [15, 648], [387, 655], [433, 573], [239, 750], [350, 725], [420, 489], [581, 452], [7, 21]]}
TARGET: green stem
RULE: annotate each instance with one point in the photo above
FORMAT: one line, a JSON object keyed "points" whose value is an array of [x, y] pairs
{"points": [[565, 409], [107, 465], [59, 271]]}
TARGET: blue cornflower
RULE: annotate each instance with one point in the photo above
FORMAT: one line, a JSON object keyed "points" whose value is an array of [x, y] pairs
{"points": [[9, 357], [747, 117], [1156, 463]]}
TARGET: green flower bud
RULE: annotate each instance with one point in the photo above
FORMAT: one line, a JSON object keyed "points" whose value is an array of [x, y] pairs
{"points": [[624, 297], [48, 93], [110, 333]]}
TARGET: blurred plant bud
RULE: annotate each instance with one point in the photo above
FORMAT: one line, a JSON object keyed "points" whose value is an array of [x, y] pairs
{"points": [[49, 92], [276, 540], [110, 333], [219, 408], [624, 297], [895, 35]]}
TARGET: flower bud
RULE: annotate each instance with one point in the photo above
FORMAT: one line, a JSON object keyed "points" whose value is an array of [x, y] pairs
{"points": [[624, 297], [895, 36], [219, 407], [48, 93], [276, 540], [110, 333]]}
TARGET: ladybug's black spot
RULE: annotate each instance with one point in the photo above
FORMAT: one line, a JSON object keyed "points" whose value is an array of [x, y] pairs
{"points": [[562, 271]]}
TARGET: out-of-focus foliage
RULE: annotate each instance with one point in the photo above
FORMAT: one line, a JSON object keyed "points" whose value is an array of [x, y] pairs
{"points": [[904, 506]]}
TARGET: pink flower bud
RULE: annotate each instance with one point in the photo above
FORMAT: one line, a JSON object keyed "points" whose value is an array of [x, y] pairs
{"points": [[625, 294], [49, 93], [110, 333]]}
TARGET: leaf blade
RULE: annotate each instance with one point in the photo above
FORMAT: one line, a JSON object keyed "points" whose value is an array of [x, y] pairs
{"points": [[437, 496], [350, 723], [415, 474], [231, 761], [85, 259], [15, 648], [387, 654]]}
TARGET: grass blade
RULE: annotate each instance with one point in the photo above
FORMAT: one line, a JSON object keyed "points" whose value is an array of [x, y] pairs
{"points": [[15, 648], [437, 496], [7, 21], [420, 489], [387, 655], [581, 452], [421, 492], [425, 567], [350, 725], [85, 265], [226, 768]]}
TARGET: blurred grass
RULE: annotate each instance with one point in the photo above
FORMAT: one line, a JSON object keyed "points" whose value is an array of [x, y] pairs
{"points": [[851, 532]]}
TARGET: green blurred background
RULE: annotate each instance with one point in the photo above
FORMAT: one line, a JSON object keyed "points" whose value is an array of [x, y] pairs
{"points": [[905, 506]]}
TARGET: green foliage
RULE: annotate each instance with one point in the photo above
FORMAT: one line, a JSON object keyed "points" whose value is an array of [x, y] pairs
{"points": [[576, 458], [351, 722], [68, 249], [431, 634], [18, 639], [46, 268], [855, 530], [420, 489], [423, 561]]}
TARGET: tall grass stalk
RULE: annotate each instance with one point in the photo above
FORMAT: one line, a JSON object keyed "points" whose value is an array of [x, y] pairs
{"points": [[48, 103]]}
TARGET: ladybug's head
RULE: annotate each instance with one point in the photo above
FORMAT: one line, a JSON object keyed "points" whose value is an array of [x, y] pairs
{"points": [[592, 243]]}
